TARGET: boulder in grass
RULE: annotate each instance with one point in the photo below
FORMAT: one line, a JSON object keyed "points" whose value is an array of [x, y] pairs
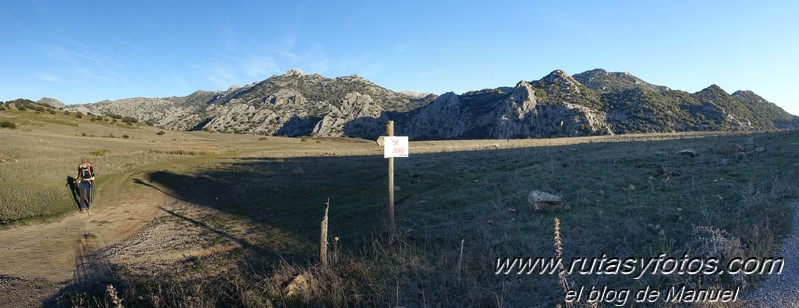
{"points": [[688, 152], [540, 200]]}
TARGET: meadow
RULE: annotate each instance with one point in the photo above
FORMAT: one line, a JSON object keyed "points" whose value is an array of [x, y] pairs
{"points": [[460, 205]]}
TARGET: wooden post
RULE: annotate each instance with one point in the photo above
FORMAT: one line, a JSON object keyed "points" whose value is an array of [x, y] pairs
{"points": [[323, 238], [390, 132]]}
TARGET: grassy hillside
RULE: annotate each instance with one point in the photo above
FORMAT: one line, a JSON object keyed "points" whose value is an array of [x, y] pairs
{"points": [[45, 147], [460, 205]]}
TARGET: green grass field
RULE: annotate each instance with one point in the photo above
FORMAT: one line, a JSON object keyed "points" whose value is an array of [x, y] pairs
{"points": [[629, 196]]}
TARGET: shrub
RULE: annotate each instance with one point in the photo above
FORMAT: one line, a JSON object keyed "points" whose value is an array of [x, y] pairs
{"points": [[51, 111], [304, 139], [125, 136], [66, 112], [202, 151], [100, 152], [78, 114], [159, 133], [8, 124]]}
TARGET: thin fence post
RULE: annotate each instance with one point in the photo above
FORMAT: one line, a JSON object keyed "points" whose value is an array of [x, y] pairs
{"points": [[390, 133]]}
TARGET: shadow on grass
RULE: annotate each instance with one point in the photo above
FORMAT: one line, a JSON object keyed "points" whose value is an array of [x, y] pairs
{"points": [[73, 190], [288, 194], [141, 182], [239, 241]]}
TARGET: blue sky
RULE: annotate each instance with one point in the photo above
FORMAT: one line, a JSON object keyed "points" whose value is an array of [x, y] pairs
{"points": [[86, 51]]}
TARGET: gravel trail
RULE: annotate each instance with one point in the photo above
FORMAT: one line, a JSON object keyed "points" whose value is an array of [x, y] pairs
{"points": [[781, 290]]}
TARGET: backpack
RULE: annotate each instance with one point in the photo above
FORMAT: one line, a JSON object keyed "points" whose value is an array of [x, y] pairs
{"points": [[85, 173]]}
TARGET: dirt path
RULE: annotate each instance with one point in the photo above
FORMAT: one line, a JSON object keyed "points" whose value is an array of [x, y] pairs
{"points": [[779, 290], [53, 250], [131, 223]]}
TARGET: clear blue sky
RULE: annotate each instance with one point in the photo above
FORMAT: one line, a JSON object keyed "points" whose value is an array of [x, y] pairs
{"points": [[86, 51]]}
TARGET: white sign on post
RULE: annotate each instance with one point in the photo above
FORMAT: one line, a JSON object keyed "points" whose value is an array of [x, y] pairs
{"points": [[395, 146]]}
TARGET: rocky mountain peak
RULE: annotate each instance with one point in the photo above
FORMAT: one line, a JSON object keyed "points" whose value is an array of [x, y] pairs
{"points": [[602, 81], [713, 88], [558, 73], [746, 95], [523, 91], [416, 94], [713, 92], [52, 102], [596, 71], [559, 77], [354, 78], [294, 73]]}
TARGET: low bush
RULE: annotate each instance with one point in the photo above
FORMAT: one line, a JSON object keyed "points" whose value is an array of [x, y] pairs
{"points": [[100, 152], [205, 151], [7, 124]]}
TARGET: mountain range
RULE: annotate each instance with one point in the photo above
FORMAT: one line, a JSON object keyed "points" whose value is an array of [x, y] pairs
{"points": [[594, 102]]}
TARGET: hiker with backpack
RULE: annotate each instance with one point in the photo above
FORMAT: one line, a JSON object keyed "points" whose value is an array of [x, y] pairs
{"points": [[85, 180]]}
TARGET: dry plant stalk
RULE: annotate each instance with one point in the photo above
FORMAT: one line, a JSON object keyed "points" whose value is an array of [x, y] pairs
{"points": [[112, 293], [558, 256], [460, 260]]}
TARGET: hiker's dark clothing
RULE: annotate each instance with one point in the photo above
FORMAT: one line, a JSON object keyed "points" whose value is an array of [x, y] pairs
{"points": [[85, 180]]}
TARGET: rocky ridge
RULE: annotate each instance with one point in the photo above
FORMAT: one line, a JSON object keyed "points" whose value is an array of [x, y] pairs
{"points": [[595, 102]]}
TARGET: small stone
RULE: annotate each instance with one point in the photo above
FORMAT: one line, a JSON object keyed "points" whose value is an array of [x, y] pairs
{"points": [[542, 200], [687, 152]]}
